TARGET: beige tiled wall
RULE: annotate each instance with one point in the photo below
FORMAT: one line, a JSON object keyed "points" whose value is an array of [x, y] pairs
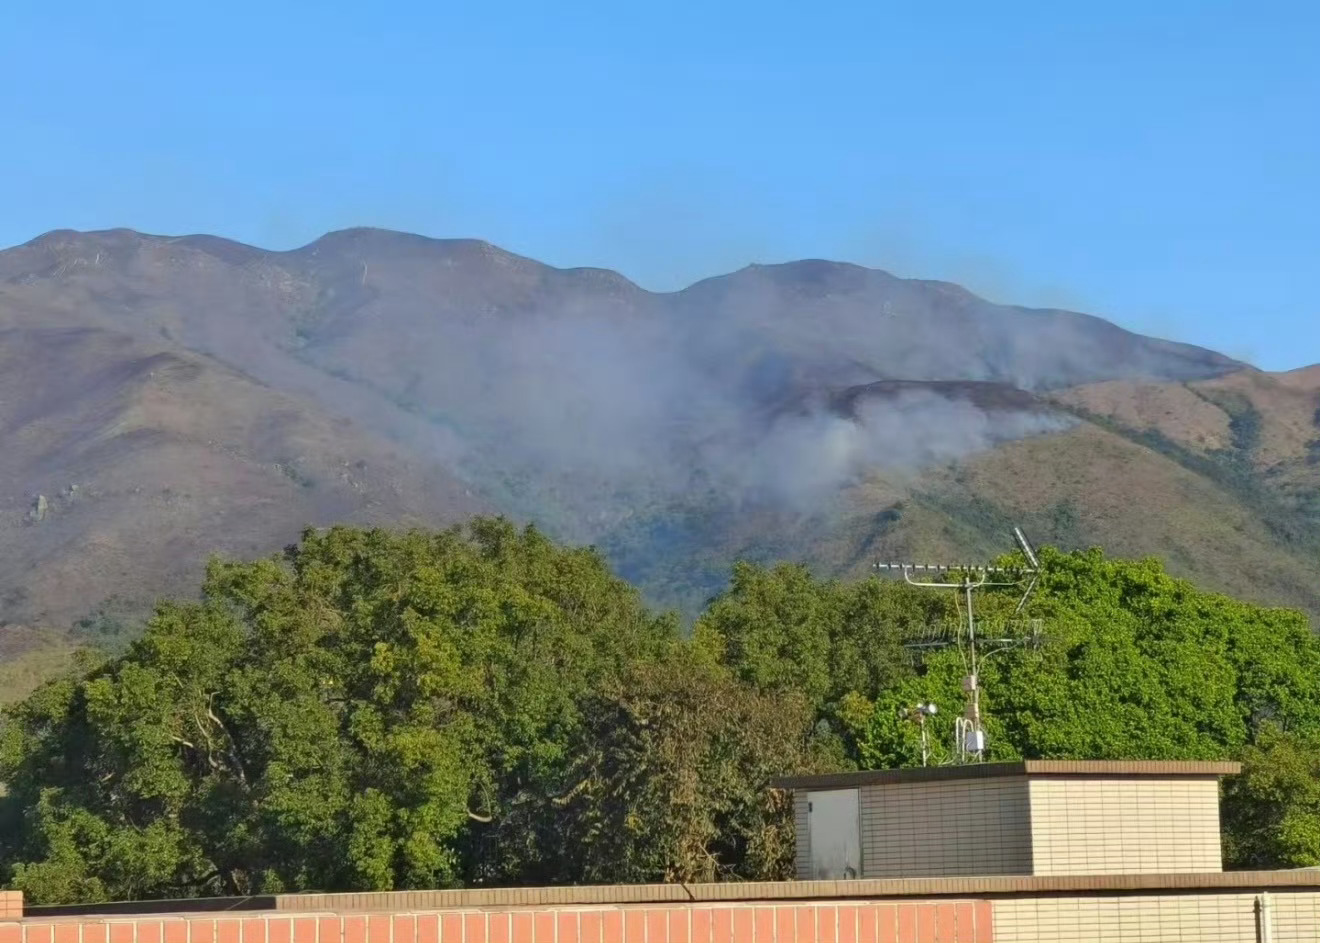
{"points": [[1187, 918], [967, 827], [1111, 826], [1294, 916]]}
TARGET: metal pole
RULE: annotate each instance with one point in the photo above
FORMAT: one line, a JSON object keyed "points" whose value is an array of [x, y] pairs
{"points": [[1264, 919], [975, 693]]}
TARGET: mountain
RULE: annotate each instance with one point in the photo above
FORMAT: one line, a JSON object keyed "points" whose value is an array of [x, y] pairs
{"points": [[128, 462], [205, 395]]}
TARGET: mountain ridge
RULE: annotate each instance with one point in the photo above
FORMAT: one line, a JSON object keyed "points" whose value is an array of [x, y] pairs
{"points": [[807, 410], [358, 234]]}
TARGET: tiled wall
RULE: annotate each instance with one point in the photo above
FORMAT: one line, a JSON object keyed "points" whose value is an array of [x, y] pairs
{"points": [[961, 827], [1197, 918], [1043, 826], [1113, 826], [802, 848], [858, 922], [1294, 916]]}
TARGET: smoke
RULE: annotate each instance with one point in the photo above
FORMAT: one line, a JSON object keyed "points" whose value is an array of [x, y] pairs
{"points": [[576, 395], [607, 414], [805, 460]]}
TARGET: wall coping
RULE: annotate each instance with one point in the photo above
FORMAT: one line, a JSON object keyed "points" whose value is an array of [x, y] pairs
{"points": [[615, 895], [1083, 769]]}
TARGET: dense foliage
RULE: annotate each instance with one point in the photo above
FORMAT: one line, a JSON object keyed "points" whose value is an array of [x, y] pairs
{"points": [[481, 706], [1133, 664]]}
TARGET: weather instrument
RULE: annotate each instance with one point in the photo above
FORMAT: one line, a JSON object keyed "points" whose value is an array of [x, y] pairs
{"points": [[969, 636], [918, 715]]}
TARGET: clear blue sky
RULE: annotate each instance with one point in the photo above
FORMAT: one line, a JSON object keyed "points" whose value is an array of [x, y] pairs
{"points": [[1155, 163]]}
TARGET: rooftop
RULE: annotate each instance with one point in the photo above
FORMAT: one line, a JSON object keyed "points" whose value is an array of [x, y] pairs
{"points": [[1086, 769]]}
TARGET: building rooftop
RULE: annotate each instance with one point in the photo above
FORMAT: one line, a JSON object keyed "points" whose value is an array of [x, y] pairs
{"points": [[1087, 769]]}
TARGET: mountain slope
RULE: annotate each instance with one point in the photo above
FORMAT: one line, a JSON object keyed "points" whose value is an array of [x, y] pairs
{"points": [[126, 464], [193, 387], [510, 368], [1084, 486]]}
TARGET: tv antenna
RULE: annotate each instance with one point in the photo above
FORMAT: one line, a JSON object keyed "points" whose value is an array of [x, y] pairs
{"points": [[969, 731]]}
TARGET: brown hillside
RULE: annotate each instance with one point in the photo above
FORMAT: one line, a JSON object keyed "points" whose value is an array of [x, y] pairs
{"points": [[1172, 408], [1198, 414], [1306, 379], [1135, 502], [1085, 487], [1288, 412], [150, 459]]}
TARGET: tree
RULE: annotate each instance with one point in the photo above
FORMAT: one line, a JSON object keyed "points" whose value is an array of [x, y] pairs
{"points": [[1142, 665], [838, 645], [1272, 809], [480, 706], [353, 715], [773, 628], [672, 769]]}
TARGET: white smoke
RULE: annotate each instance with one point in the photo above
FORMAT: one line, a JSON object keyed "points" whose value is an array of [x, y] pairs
{"points": [[607, 415], [804, 461]]}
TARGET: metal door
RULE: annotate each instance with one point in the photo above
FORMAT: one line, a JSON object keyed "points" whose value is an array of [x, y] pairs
{"points": [[834, 828]]}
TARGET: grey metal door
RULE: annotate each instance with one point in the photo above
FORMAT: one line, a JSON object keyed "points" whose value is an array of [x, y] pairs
{"points": [[835, 831]]}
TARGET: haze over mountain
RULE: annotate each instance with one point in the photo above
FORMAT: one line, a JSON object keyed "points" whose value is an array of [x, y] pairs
{"points": [[205, 395]]}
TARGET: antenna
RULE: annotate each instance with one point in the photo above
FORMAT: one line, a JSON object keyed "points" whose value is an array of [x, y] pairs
{"points": [[969, 731], [1025, 546]]}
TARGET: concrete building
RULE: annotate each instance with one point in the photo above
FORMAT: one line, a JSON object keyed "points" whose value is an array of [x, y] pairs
{"points": [[1039, 817]]}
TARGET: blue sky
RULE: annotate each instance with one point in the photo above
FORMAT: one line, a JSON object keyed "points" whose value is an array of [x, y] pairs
{"points": [[1158, 164]]}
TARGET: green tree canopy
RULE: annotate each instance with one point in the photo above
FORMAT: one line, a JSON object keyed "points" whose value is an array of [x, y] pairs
{"points": [[358, 714], [374, 711], [1272, 810], [839, 645], [671, 772]]}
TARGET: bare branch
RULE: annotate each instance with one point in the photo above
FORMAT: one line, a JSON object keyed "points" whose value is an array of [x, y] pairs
{"points": [[564, 798]]}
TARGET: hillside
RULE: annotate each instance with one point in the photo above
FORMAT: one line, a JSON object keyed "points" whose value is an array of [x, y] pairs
{"points": [[204, 395], [126, 463]]}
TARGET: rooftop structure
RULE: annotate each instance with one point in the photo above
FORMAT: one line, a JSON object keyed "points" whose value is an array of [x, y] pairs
{"points": [[1035, 818]]}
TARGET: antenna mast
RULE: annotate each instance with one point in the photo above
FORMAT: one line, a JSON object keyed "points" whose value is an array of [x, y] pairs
{"points": [[969, 731]]}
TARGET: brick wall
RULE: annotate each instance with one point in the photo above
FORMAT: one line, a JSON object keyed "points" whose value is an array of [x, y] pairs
{"points": [[834, 922]]}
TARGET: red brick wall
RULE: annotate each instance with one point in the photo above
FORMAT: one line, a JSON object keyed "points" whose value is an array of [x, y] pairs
{"points": [[852, 922]]}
